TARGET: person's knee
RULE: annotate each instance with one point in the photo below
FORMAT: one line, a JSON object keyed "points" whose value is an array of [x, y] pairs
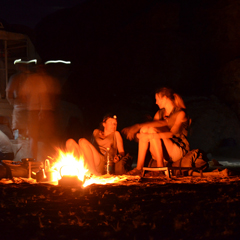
{"points": [[148, 130], [152, 130], [144, 130], [82, 142], [70, 142]]}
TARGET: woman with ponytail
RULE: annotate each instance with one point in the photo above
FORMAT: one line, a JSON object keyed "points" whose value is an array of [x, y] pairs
{"points": [[166, 135]]}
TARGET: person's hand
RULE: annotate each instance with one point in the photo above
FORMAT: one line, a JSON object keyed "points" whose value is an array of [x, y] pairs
{"points": [[116, 159], [131, 131]]}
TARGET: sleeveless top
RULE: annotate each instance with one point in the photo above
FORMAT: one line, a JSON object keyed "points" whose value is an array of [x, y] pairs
{"points": [[179, 138], [102, 143]]}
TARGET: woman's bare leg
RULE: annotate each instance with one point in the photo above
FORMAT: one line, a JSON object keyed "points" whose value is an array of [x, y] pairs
{"points": [[142, 151], [85, 149], [90, 154], [73, 147], [143, 146], [156, 151], [156, 148], [169, 145]]}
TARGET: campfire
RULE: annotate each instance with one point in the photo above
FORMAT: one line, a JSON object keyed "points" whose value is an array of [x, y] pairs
{"points": [[68, 170]]}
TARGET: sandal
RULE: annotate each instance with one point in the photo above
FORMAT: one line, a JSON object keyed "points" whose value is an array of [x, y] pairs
{"points": [[135, 171]]}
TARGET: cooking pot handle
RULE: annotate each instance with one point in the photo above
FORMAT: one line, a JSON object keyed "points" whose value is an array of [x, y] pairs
{"points": [[47, 165]]}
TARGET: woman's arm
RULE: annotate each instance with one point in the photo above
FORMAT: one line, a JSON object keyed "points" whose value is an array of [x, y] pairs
{"points": [[120, 147], [131, 131], [181, 117], [119, 143]]}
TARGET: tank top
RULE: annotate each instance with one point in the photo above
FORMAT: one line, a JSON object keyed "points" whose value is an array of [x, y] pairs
{"points": [[101, 143], [179, 138]]}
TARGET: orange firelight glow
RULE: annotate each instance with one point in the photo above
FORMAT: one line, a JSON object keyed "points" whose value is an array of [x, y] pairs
{"points": [[67, 164]]}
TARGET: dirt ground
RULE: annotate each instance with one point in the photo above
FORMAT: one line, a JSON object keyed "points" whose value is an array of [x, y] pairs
{"points": [[137, 208]]}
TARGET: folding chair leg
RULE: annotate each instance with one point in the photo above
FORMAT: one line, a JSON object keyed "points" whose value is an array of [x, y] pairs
{"points": [[167, 173]]}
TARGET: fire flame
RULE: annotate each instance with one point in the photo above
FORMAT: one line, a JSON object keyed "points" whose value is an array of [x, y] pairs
{"points": [[67, 164]]}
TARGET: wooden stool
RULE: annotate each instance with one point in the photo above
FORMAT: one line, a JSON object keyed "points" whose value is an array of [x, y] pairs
{"points": [[163, 169]]}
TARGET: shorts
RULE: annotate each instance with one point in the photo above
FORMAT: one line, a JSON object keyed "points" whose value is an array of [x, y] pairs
{"points": [[176, 154]]}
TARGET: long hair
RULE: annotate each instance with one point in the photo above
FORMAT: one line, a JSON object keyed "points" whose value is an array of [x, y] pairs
{"points": [[105, 118], [169, 93]]}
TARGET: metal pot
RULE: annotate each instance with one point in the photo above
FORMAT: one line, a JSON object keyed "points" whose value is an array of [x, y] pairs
{"points": [[39, 175], [50, 175]]}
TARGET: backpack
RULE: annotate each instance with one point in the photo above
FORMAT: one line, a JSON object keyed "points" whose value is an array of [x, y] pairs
{"points": [[124, 165], [195, 158]]}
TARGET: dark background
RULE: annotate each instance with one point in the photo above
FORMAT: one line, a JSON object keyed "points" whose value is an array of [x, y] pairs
{"points": [[122, 50]]}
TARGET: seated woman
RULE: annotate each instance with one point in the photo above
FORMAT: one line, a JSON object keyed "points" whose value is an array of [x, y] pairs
{"points": [[105, 137], [166, 134]]}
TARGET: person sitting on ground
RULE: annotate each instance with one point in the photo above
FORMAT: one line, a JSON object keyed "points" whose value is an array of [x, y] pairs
{"points": [[166, 134], [105, 137]]}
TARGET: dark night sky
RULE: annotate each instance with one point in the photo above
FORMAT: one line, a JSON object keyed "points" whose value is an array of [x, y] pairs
{"points": [[29, 13], [122, 50]]}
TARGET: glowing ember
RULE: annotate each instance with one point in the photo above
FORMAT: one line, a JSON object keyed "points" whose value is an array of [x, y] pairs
{"points": [[105, 179], [68, 165]]}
